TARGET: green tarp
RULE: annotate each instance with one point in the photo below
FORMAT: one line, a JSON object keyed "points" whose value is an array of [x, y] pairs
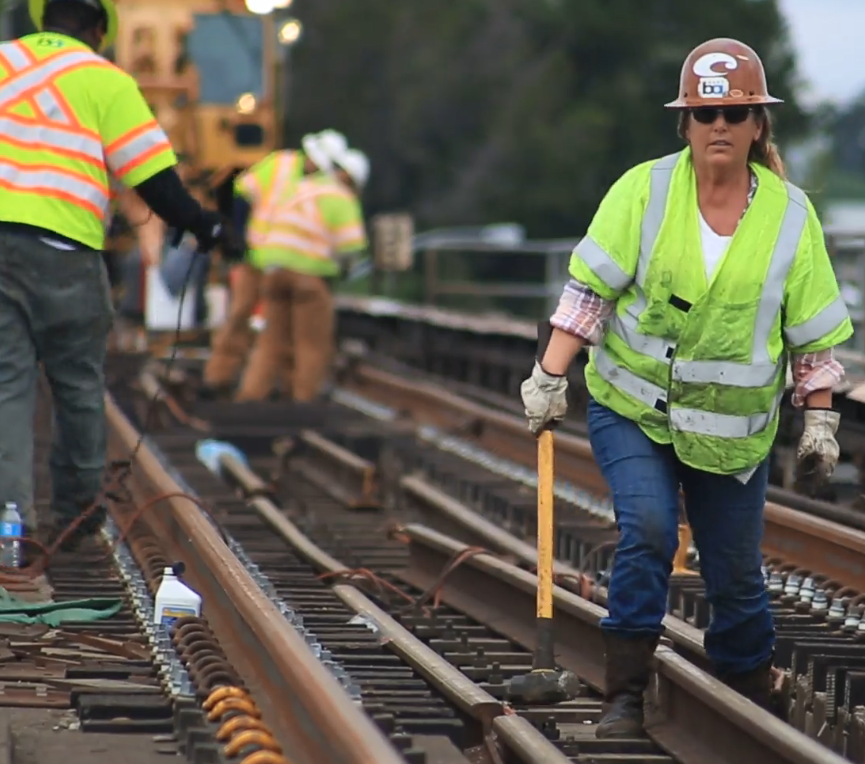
{"points": [[56, 613]]}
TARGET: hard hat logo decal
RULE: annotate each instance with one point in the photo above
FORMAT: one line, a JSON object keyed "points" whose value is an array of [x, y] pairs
{"points": [[713, 81], [706, 66]]}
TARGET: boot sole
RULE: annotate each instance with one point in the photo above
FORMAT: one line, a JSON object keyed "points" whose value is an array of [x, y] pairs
{"points": [[619, 731]]}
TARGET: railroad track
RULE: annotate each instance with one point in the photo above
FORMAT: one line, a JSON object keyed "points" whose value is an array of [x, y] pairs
{"points": [[490, 351], [297, 710], [85, 675], [347, 479], [809, 534]]}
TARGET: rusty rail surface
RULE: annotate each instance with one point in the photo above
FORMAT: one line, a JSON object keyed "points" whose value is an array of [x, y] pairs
{"points": [[799, 537], [427, 501], [517, 734], [310, 713], [695, 718], [692, 715]]}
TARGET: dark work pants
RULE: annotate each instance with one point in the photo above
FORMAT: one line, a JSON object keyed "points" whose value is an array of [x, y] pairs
{"points": [[55, 308], [726, 520]]}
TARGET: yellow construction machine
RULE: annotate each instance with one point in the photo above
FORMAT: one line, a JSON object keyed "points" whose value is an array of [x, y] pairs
{"points": [[211, 71]]}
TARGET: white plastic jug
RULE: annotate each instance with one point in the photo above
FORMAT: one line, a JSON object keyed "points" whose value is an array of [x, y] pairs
{"points": [[174, 600]]}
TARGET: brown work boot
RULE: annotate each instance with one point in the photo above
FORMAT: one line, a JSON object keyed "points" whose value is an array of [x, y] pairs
{"points": [[628, 669]]}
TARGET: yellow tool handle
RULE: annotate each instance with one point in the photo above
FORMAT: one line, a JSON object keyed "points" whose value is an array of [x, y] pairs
{"points": [[545, 524]]}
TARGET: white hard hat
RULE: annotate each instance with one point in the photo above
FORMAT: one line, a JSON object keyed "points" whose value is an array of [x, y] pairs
{"points": [[355, 163], [322, 147]]}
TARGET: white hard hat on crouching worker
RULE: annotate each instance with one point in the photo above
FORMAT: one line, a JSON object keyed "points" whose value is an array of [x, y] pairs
{"points": [[355, 163], [322, 147], [37, 14]]}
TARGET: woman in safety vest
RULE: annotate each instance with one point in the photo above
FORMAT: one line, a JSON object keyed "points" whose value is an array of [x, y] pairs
{"points": [[699, 273]]}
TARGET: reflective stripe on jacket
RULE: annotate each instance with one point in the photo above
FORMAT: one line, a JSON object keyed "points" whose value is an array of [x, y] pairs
{"points": [[302, 225], [68, 117], [701, 363]]}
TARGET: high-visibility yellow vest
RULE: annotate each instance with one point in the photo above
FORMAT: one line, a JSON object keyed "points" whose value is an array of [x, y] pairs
{"points": [[300, 222], [263, 185], [271, 173], [67, 118], [701, 363]]}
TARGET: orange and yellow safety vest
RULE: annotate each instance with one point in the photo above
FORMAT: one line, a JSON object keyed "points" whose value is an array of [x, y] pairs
{"points": [[299, 222], [69, 119]]}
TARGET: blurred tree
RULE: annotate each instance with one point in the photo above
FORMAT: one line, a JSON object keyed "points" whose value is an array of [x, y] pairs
{"points": [[524, 110]]}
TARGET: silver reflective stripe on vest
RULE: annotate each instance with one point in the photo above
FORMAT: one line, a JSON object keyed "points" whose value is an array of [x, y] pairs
{"points": [[50, 107], [601, 264], [599, 260], [761, 372], [628, 382], [692, 421], [18, 85], [18, 59], [697, 422], [831, 317], [653, 218]]}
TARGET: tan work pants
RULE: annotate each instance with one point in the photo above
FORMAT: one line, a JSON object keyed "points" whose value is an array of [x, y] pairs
{"points": [[232, 341], [297, 340]]}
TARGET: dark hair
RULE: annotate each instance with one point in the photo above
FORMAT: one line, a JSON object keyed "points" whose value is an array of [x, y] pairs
{"points": [[72, 17], [763, 150]]}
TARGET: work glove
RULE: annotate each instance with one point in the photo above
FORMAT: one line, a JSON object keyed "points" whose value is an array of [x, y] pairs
{"points": [[818, 450], [545, 398], [209, 229]]}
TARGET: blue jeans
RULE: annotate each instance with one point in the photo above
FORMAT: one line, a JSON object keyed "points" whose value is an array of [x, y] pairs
{"points": [[726, 520]]}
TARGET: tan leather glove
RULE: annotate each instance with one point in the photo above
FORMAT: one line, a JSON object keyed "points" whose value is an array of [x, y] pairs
{"points": [[818, 450], [545, 398]]}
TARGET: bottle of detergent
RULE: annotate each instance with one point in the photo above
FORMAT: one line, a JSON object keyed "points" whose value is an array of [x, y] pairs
{"points": [[174, 599]]}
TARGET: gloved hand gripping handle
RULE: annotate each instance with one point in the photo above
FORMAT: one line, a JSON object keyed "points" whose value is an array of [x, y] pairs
{"points": [[545, 334]]}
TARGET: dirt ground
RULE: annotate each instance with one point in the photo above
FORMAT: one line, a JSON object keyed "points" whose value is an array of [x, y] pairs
{"points": [[39, 736]]}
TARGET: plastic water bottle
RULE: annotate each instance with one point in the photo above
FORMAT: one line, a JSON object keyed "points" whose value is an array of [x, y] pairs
{"points": [[209, 451], [10, 526], [174, 599]]}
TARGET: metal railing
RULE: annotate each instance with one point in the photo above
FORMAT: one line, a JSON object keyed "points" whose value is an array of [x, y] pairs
{"points": [[495, 268], [550, 266]]}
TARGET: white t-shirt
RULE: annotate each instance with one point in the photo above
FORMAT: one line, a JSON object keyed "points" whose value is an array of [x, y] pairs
{"points": [[714, 246]]}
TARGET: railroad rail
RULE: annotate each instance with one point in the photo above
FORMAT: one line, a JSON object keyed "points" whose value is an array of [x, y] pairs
{"points": [[350, 464], [87, 675], [815, 535], [85, 672]]}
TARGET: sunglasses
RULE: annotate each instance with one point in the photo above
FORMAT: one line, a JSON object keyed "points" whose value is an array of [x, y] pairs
{"points": [[733, 115]]}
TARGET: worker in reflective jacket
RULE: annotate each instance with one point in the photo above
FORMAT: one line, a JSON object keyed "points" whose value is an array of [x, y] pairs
{"points": [[70, 120], [313, 235], [699, 273], [257, 192]]}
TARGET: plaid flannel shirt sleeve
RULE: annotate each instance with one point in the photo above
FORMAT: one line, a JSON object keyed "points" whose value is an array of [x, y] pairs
{"points": [[582, 312], [812, 372]]}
